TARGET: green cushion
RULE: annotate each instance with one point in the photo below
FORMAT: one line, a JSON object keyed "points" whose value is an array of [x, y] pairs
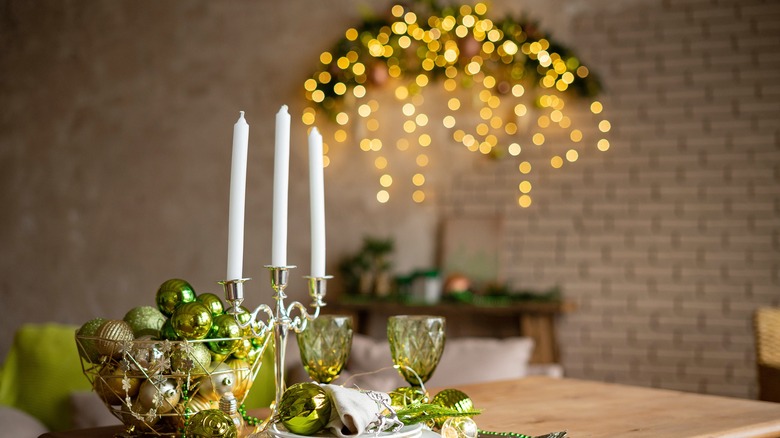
{"points": [[41, 370]]}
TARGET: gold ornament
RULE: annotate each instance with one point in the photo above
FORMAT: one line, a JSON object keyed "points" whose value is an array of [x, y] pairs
{"points": [[112, 334], [113, 385], [162, 396], [220, 380], [242, 372], [459, 427]]}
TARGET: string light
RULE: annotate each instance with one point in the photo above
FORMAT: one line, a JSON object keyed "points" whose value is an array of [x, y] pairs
{"points": [[495, 61]]}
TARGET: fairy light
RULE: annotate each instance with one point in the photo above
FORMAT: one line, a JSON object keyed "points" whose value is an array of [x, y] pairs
{"points": [[495, 61]]}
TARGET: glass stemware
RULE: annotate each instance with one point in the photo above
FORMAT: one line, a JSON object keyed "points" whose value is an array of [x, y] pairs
{"points": [[325, 346], [416, 345]]}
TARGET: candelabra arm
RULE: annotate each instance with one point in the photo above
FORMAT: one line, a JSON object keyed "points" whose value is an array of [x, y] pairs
{"points": [[281, 325], [234, 292]]}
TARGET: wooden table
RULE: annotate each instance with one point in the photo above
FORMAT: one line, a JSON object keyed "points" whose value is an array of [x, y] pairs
{"points": [[540, 405]]}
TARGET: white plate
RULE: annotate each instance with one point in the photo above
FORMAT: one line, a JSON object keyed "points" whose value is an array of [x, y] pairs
{"points": [[411, 431]]}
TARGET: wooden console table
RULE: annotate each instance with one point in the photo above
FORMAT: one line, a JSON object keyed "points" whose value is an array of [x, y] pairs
{"points": [[534, 319]]}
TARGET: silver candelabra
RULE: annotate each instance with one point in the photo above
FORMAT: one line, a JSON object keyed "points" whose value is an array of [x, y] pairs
{"points": [[280, 319]]}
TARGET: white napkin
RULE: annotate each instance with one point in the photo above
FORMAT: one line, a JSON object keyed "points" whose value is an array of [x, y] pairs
{"points": [[352, 411]]}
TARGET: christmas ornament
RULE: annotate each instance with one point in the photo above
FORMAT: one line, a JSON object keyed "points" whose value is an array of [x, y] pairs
{"points": [[140, 417], [243, 348], [213, 303], [241, 371], [113, 385], [459, 427], [191, 358], [407, 395], [452, 398], [304, 408], [226, 329], [191, 320], [87, 348], [112, 334], [145, 320], [167, 332], [211, 423], [147, 354], [161, 395], [200, 403], [172, 293], [222, 379]]}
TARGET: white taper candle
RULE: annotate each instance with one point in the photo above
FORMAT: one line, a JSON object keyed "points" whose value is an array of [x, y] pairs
{"points": [[281, 183], [317, 204], [235, 260]]}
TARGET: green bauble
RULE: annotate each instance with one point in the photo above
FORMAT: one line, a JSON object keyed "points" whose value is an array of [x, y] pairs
{"points": [[224, 326], [213, 303], [211, 423], [453, 399], [167, 332], [172, 293], [304, 408], [87, 348], [191, 320], [145, 320]]}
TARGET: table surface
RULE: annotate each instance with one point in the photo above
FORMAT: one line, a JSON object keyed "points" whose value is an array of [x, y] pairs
{"points": [[539, 405]]}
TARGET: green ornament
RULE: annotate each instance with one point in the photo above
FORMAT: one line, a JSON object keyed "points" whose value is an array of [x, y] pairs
{"points": [[212, 302], [453, 399], [167, 332], [191, 320], [145, 320], [224, 326], [407, 395], [304, 408], [87, 348], [172, 293], [211, 423]]}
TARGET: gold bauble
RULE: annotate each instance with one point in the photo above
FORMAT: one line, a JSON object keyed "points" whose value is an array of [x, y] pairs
{"points": [[109, 384], [112, 334], [220, 380], [242, 372], [160, 395]]}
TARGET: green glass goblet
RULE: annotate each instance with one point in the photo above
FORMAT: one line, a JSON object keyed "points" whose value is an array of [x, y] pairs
{"points": [[416, 345], [325, 346]]}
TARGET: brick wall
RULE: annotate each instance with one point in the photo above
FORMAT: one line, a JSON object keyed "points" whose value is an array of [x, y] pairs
{"points": [[671, 239]]}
